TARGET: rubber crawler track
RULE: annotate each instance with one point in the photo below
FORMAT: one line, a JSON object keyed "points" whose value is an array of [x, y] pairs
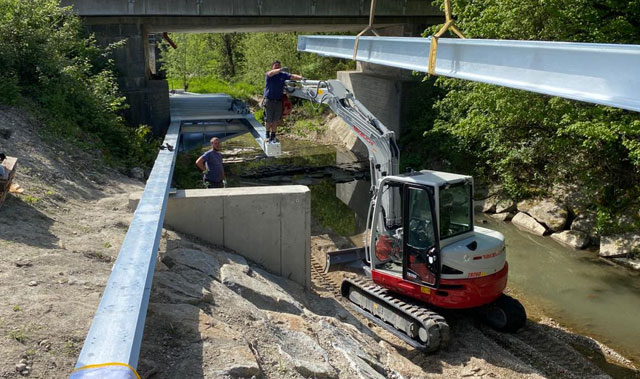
{"points": [[435, 325]]}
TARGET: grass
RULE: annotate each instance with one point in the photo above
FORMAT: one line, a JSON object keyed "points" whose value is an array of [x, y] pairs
{"points": [[240, 90], [19, 335], [330, 211]]}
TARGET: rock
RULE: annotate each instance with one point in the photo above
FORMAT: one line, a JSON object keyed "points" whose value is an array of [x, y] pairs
{"points": [[23, 263], [263, 293], [305, 355], [551, 213], [233, 357], [505, 205], [572, 238], [527, 223], [182, 286], [490, 205], [620, 245], [525, 205], [32, 283], [633, 264], [194, 259], [586, 222], [61, 245], [505, 216], [137, 173], [360, 361], [21, 366]]}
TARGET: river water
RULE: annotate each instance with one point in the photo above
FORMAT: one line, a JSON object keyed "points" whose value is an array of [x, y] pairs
{"points": [[575, 287]]}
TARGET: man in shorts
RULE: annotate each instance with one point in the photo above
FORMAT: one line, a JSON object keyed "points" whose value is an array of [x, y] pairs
{"points": [[273, 90]]}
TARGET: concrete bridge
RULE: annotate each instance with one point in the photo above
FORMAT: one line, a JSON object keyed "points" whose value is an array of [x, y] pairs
{"points": [[137, 21]]}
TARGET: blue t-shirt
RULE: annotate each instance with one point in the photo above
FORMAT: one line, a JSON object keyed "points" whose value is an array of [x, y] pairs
{"points": [[213, 162], [274, 86]]}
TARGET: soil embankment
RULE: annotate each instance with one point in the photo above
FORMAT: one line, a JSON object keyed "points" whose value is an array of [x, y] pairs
{"points": [[212, 314]]}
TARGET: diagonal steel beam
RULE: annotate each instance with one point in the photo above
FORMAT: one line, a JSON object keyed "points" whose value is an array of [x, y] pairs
{"points": [[604, 74]]}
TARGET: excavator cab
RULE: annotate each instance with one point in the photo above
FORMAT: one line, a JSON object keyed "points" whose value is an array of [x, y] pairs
{"points": [[406, 243], [414, 217]]}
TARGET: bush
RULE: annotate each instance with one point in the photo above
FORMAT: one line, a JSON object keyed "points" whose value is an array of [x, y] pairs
{"points": [[47, 60]]}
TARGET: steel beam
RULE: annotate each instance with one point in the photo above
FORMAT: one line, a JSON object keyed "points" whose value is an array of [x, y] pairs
{"points": [[116, 331], [604, 74]]}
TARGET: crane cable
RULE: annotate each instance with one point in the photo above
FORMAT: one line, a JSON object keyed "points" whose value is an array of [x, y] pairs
{"points": [[449, 24], [372, 13]]}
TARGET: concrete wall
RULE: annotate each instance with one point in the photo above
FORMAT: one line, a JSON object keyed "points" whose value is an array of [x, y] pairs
{"points": [[148, 99], [268, 225]]}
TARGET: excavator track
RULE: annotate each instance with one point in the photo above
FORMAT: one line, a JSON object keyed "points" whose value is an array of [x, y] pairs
{"points": [[418, 326]]}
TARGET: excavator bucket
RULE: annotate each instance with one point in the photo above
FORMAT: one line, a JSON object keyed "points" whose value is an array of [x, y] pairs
{"points": [[338, 259]]}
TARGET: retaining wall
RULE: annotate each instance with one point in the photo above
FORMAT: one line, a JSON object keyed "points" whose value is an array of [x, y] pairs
{"points": [[268, 225]]}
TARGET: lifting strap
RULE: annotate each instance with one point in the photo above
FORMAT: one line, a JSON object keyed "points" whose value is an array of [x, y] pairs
{"points": [[449, 24], [372, 13]]}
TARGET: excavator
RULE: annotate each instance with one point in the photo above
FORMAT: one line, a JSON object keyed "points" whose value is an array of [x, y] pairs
{"points": [[422, 249]]}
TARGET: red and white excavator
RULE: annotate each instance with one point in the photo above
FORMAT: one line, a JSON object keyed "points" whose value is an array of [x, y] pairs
{"points": [[422, 246]]}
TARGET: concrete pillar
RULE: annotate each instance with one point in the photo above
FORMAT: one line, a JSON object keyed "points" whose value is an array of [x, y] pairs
{"points": [[148, 99]]}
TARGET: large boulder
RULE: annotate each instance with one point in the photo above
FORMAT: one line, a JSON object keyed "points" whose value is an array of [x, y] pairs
{"points": [[586, 222], [505, 205], [504, 216], [620, 245], [489, 204], [572, 238], [551, 213], [527, 223]]}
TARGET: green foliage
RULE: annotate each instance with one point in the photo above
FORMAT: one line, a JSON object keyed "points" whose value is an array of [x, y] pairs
{"points": [[191, 59], [330, 211], [234, 57], [239, 90], [263, 48], [530, 142], [50, 64]]}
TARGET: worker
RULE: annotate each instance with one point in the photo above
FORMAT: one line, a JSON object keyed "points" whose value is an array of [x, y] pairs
{"points": [[273, 90], [210, 163]]}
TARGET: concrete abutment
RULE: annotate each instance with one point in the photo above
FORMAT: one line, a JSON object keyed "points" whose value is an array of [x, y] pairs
{"points": [[268, 225]]}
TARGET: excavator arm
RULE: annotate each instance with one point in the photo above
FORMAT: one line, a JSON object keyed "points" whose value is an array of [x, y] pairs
{"points": [[380, 141]]}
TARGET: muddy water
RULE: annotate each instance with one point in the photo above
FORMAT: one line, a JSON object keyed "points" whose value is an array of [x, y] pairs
{"points": [[575, 287]]}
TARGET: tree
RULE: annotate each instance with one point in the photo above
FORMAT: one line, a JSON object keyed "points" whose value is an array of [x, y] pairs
{"points": [[191, 59], [530, 142]]}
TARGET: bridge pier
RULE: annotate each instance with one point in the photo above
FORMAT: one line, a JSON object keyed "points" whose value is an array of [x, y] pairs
{"points": [[148, 98]]}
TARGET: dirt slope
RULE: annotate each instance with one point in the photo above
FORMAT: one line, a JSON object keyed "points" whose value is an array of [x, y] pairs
{"points": [[212, 314]]}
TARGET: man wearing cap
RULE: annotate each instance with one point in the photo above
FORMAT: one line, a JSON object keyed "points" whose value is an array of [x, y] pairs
{"points": [[273, 89]]}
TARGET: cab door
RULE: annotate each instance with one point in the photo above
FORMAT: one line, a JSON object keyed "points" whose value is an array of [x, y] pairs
{"points": [[421, 244]]}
